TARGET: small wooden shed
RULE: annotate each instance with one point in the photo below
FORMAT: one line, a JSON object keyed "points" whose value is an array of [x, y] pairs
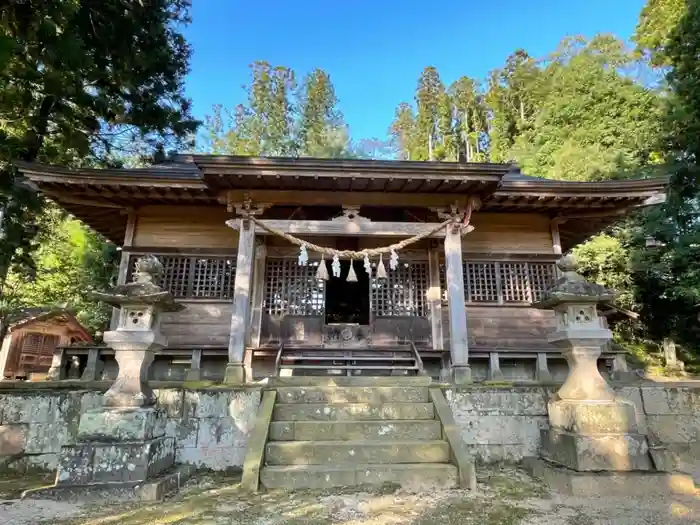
{"points": [[33, 335]]}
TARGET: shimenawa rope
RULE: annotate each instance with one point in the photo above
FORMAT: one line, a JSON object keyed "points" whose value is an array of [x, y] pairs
{"points": [[369, 252]]}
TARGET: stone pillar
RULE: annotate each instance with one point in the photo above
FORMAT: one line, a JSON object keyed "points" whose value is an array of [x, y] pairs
{"points": [[542, 368], [56, 372], [93, 367], [121, 448], [235, 369], [495, 373], [671, 356], [459, 345], [590, 427], [195, 371]]}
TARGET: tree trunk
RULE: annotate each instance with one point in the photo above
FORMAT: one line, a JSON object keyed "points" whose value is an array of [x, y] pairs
{"points": [[34, 137]]}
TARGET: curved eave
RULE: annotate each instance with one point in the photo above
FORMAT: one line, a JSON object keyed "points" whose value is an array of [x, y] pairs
{"points": [[103, 198], [333, 167], [560, 197], [170, 176]]}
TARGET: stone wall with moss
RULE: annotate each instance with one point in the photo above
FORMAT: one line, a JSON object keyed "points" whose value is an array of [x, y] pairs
{"points": [[211, 426], [502, 423]]}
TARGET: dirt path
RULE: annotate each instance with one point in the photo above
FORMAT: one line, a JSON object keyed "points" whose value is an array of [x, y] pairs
{"points": [[505, 497]]}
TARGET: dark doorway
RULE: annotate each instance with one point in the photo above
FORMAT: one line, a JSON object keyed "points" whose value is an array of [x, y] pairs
{"points": [[348, 302]]}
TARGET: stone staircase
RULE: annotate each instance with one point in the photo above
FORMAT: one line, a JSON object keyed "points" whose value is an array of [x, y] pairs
{"points": [[349, 431]]}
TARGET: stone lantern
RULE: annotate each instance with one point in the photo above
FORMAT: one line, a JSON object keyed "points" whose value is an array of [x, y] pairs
{"points": [[137, 337], [121, 448], [591, 427]]}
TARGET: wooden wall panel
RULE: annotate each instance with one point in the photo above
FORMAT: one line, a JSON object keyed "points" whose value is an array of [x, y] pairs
{"points": [[184, 227], [509, 233], [201, 323], [516, 329]]}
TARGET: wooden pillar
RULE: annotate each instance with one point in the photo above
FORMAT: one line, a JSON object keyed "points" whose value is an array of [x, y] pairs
{"points": [[258, 292], [235, 372], [435, 300], [459, 345], [556, 238], [124, 262]]}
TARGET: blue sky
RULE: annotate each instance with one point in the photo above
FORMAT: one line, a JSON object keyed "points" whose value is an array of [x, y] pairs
{"points": [[375, 50]]}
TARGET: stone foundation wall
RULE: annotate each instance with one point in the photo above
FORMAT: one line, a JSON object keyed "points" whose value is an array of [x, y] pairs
{"points": [[211, 427], [673, 427], [502, 424]]}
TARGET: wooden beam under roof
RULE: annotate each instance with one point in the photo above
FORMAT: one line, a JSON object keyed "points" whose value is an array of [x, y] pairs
{"points": [[340, 228], [343, 198]]}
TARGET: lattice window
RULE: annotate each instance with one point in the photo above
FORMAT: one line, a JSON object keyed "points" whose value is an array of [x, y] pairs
{"points": [[193, 277], [176, 273], [291, 289], [214, 278], [33, 343], [480, 282], [542, 277], [36, 349], [504, 282], [515, 282], [403, 291]]}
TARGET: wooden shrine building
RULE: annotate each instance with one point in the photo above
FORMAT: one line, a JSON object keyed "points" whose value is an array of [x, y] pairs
{"points": [[457, 302]]}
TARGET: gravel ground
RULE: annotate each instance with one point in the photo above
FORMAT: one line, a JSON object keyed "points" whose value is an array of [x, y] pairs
{"points": [[506, 496]]}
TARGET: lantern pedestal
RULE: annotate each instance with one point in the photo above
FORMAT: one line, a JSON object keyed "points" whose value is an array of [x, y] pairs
{"points": [[593, 437], [121, 451]]}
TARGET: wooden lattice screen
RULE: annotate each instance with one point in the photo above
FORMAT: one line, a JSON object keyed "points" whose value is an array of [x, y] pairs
{"points": [[196, 277], [36, 350], [504, 282], [402, 292], [291, 289]]}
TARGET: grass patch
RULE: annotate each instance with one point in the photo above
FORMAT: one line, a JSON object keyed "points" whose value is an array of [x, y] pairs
{"points": [[12, 484], [462, 512], [512, 484]]}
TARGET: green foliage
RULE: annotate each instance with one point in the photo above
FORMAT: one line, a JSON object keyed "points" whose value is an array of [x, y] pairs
{"points": [[656, 26], [404, 132], [604, 259], [583, 114], [592, 122], [280, 118], [83, 83], [471, 123], [71, 261], [667, 277]]}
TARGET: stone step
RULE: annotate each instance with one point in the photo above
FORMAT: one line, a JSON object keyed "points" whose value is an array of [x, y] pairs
{"points": [[352, 394], [350, 381], [416, 476], [345, 367], [338, 453], [352, 411], [423, 430]]}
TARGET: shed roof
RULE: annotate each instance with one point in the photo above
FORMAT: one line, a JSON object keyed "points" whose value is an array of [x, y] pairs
{"points": [[26, 316], [100, 197]]}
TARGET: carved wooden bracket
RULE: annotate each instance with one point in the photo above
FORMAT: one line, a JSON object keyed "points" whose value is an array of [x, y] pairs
{"points": [[461, 216], [246, 206]]}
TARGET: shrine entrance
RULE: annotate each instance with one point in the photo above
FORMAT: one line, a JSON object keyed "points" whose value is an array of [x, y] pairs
{"points": [[348, 302]]}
